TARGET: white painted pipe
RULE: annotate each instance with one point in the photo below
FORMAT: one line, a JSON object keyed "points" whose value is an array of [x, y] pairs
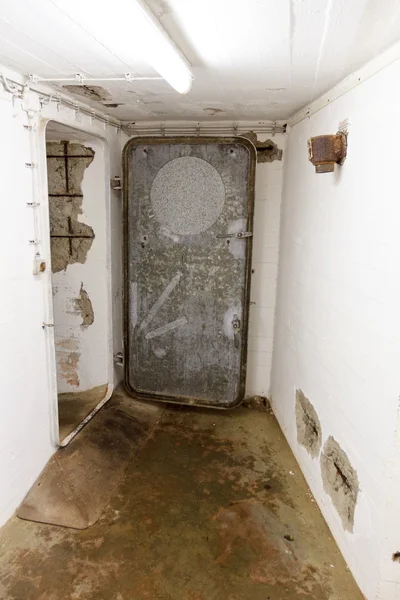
{"points": [[85, 80], [51, 97]]}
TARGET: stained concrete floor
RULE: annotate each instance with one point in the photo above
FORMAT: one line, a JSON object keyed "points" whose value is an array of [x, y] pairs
{"points": [[73, 407], [213, 507]]}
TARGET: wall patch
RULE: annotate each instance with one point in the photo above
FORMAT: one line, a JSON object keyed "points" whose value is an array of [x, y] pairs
{"points": [[340, 481], [85, 307], [267, 151], [309, 432]]}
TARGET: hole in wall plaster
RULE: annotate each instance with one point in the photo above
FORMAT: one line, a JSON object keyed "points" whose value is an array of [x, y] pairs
{"points": [[396, 557], [309, 432], [213, 111], [91, 92], [340, 481], [85, 307], [112, 104], [267, 151], [71, 239]]}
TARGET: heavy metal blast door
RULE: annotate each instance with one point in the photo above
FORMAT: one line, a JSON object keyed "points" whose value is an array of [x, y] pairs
{"points": [[188, 215]]}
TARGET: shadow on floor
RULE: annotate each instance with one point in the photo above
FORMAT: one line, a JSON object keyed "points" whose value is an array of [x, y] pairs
{"points": [[213, 507]]}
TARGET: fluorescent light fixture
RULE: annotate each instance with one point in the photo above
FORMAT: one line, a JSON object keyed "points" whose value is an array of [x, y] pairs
{"points": [[130, 31]]}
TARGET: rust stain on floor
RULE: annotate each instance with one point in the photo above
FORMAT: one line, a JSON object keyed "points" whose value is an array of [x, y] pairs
{"points": [[213, 507]]}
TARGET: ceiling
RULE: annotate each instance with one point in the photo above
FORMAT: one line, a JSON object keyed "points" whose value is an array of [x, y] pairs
{"points": [[251, 59]]}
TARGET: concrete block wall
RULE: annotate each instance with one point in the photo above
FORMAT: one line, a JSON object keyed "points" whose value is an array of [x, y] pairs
{"points": [[337, 334]]}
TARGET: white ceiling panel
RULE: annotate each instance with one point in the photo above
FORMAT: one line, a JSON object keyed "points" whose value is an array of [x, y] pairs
{"points": [[251, 59]]}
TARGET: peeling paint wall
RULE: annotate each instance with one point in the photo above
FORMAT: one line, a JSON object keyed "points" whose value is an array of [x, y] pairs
{"points": [[337, 334], [267, 211], [78, 257]]}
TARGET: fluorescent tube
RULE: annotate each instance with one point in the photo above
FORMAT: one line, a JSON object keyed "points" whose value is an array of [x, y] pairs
{"points": [[129, 30]]}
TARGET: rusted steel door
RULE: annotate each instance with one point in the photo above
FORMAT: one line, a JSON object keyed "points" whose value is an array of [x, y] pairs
{"points": [[188, 215]]}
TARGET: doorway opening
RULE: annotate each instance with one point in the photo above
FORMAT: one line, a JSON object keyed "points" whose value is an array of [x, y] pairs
{"points": [[80, 274]]}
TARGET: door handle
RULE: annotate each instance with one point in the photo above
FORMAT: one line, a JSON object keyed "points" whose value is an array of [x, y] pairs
{"points": [[239, 236], [236, 330]]}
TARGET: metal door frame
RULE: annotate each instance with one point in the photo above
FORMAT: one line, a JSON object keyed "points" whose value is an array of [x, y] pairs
{"points": [[184, 400]]}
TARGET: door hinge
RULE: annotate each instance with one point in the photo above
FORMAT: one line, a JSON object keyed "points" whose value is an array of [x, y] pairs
{"points": [[116, 183], [119, 359]]}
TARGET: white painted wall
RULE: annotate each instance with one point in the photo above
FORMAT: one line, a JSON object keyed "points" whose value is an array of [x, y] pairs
{"points": [[92, 343], [29, 427], [337, 334], [265, 269]]}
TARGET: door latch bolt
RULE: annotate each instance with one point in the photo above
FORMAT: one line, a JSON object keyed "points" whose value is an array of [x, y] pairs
{"points": [[236, 329], [240, 235]]}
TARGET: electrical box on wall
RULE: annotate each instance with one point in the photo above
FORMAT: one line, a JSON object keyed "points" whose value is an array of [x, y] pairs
{"points": [[324, 151]]}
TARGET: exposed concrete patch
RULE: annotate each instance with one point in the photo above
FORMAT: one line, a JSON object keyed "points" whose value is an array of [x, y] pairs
{"points": [[84, 305], [267, 151], [260, 403], [309, 432], [252, 136], [68, 364], [91, 92], [340, 481], [71, 239], [66, 252]]}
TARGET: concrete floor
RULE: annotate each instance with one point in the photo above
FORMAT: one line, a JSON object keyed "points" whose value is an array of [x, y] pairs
{"points": [[73, 407], [213, 507]]}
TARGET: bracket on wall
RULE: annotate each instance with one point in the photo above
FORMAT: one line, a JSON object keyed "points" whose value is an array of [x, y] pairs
{"points": [[324, 151], [116, 183]]}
